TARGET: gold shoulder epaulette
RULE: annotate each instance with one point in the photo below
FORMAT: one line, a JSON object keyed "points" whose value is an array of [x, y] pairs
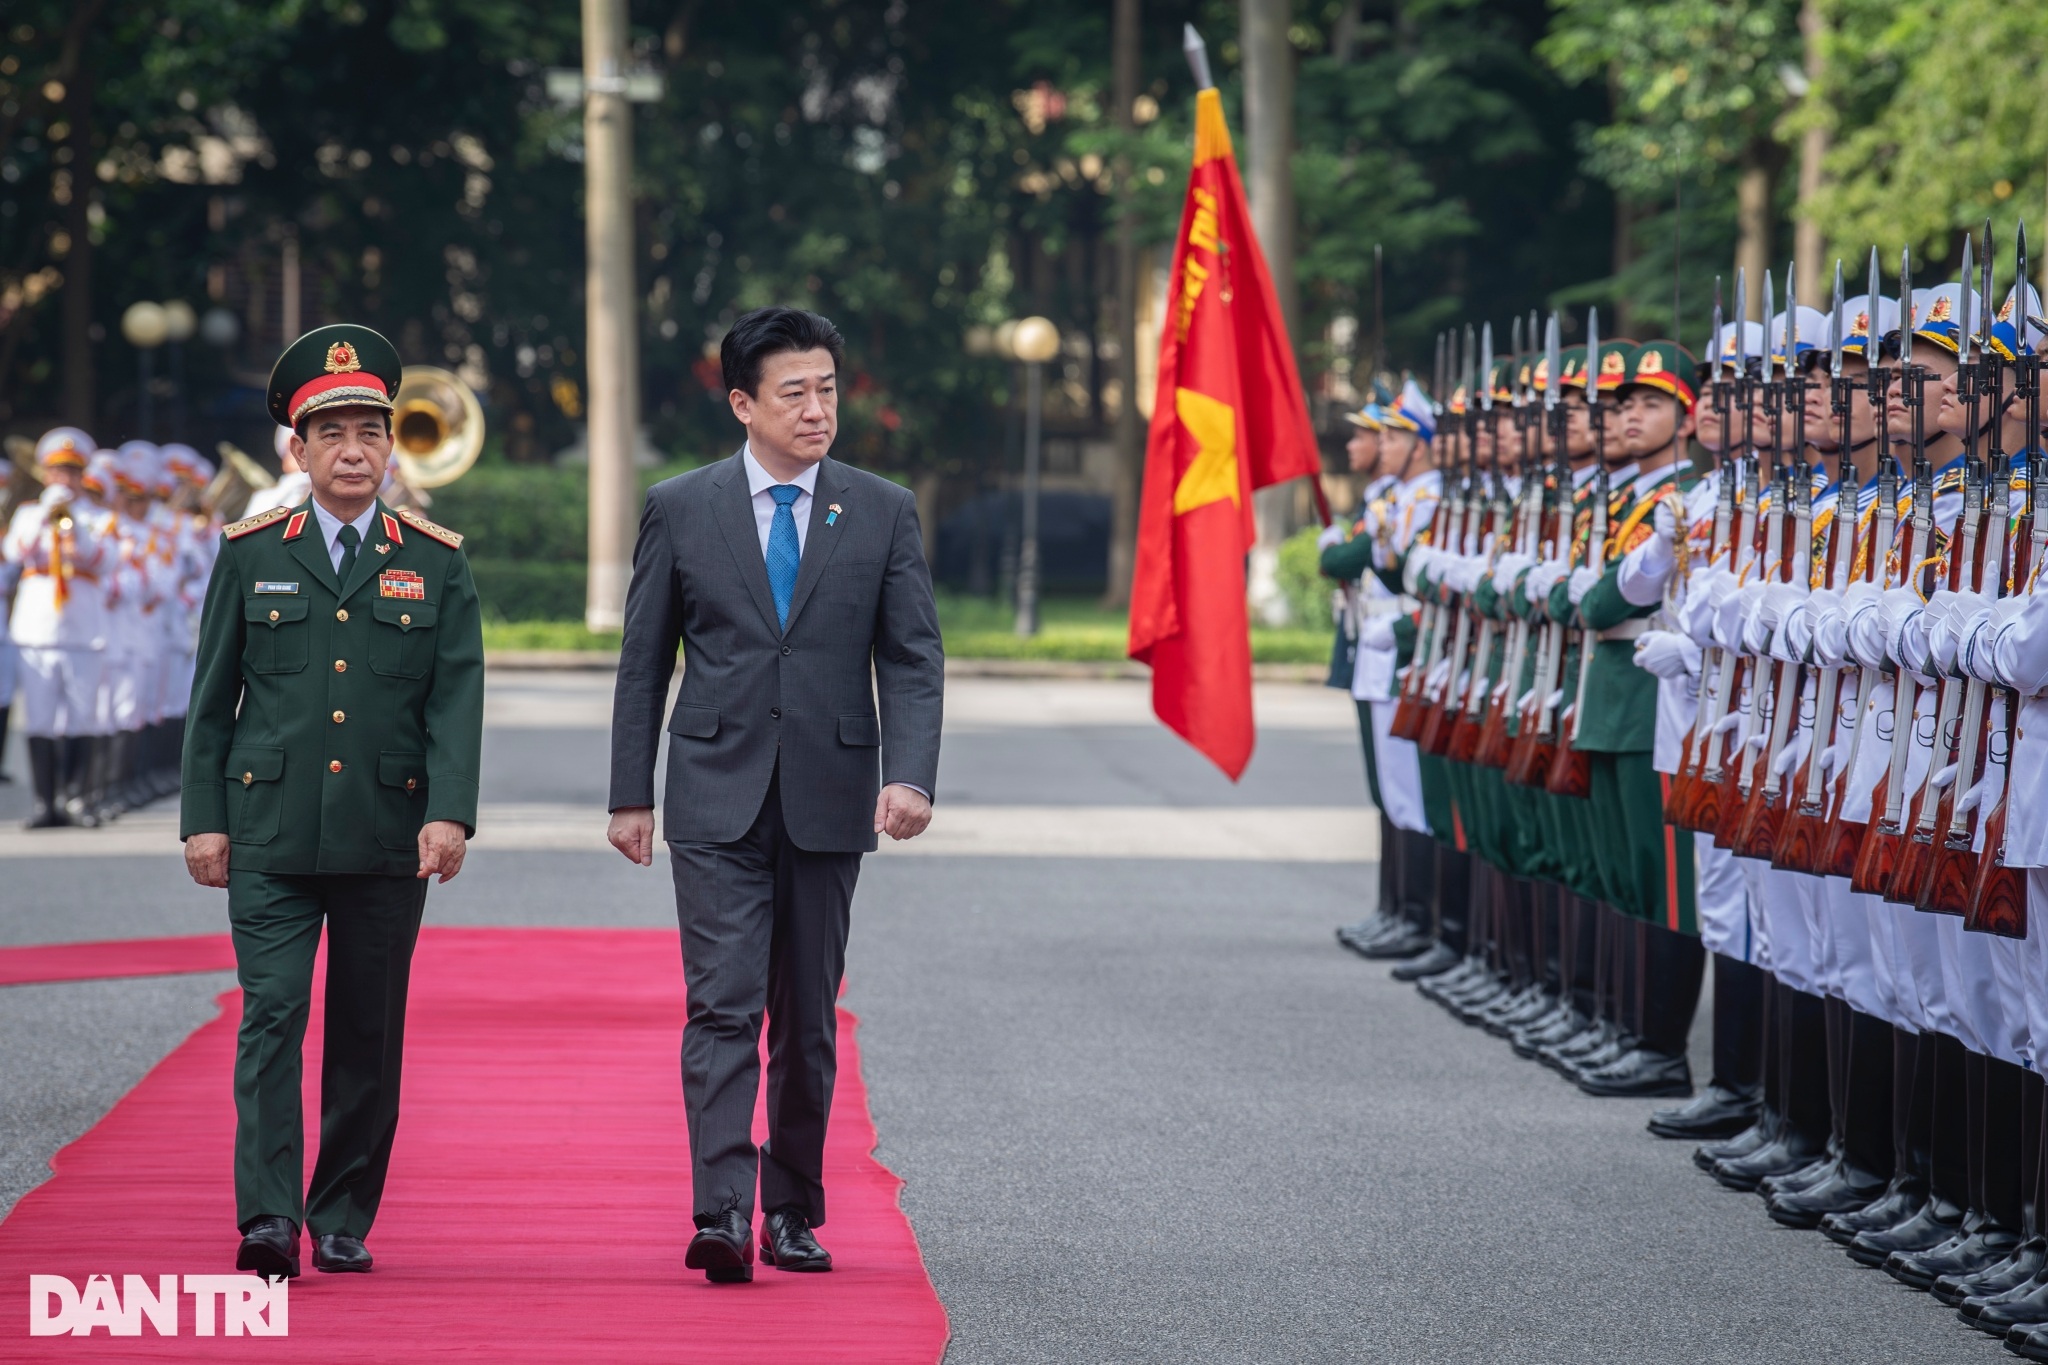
{"points": [[237, 530], [452, 539]]}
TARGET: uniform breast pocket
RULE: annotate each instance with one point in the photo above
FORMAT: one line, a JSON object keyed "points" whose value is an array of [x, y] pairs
{"points": [[255, 790], [401, 799], [277, 634], [402, 645]]}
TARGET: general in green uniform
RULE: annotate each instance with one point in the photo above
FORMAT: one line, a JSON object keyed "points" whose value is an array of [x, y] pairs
{"points": [[330, 767]]}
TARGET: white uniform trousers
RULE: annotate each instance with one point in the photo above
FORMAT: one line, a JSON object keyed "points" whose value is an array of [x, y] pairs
{"points": [[1723, 898], [1399, 771], [1784, 924], [59, 691], [1862, 958], [124, 686]]}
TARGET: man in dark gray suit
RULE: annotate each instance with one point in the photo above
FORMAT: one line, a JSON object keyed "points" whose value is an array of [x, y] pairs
{"points": [[798, 590]]}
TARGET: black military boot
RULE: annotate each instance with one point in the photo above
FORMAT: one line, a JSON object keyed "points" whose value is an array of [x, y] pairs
{"points": [[75, 780], [46, 810], [1802, 1059], [1672, 968], [1941, 1217], [1992, 1160], [1451, 893], [1734, 1096], [1863, 1165], [6, 713], [2020, 1271], [1912, 1117]]}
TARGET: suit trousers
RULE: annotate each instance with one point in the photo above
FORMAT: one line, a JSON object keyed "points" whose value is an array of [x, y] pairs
{"points": [[372, 925], [764, 928]]}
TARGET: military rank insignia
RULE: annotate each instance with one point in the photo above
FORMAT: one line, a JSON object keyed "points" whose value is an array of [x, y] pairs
{"points": [[402, 583]]}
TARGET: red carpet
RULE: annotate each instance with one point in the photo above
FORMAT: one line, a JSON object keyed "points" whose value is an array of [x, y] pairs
{"points": [[539, 1197], [118, 957]]}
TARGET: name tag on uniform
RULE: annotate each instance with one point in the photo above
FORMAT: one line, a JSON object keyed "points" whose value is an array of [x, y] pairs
{"points": [[277, 587], [402, 583]]}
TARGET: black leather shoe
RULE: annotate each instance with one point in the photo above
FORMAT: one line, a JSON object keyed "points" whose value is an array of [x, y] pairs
{"points": [[1935, 1223], [2028, 1342], [1716, 1112], [723, 1247], [1846, 1190], [337, 1253], [270, 1248], [1962, 1256], [1438, 960], [1781, 1157], [1617, 1046], [1564, 1024], [787, 1243], [1901, 1200], [2016, 1270], [1640, 1074], [2021, 1308], [1395, 947], [1805, 1178]]}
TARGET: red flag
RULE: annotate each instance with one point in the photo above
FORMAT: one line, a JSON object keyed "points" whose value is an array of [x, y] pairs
{"points": [[1228, 417]]}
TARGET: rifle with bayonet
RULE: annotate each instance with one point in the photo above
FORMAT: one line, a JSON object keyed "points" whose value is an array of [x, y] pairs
{"points": [[1536, 740], [1494, 747], [1682, 795], [1469, 726], [1571, 769], [1409, 715], [1443, 700]]}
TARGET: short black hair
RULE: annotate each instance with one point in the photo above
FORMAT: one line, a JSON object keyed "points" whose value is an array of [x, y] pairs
{"points": [[770, 331]]}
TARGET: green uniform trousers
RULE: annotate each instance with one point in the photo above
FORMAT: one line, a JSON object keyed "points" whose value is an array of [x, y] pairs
{"points": [[1372, 765], [1646, 864], [1439, 804], [372, 924]]}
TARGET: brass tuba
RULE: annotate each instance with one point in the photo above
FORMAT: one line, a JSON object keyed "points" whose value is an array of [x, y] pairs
{"points": [[240, 478], [437, 428]]}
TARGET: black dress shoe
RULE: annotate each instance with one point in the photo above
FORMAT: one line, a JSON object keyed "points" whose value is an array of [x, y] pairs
{"points": [[1753, 1138], [1935, 1223], [1974, 1305], [270, 1248], [1640, 1074], [723, 1247], [787, 1243], [1900, 1201], [2019, 1309], [1805, 1178], [1961, 1256], [1716, 1112], [1845, 1191], [1617, 1046], [1435, 962], [1780, 1157], [337, 1253], [1396, 947], [2028, 1342], [2016, 1270], [1562, 1024]]}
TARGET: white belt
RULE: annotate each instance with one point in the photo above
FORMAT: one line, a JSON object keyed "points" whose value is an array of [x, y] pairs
{"points": [[1633, 628]]}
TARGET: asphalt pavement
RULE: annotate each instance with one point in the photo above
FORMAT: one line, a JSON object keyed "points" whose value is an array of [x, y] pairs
{"points": [[1144, 1107]]}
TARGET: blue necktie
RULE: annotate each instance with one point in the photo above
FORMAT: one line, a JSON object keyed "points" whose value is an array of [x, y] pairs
{"points": [[783, 553]]}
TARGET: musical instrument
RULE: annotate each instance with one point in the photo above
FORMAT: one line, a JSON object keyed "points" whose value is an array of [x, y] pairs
{"points": [[437, 427]]}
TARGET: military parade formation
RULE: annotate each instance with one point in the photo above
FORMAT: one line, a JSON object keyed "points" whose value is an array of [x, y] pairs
{"points": [[1664, 664]]}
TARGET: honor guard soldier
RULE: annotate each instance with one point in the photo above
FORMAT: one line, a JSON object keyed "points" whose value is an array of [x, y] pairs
{"points": [[330, 768], [59, 626]]}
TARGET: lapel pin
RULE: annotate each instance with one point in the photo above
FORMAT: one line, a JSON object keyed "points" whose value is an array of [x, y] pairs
{"points": [[831, 514], [383, 549]]}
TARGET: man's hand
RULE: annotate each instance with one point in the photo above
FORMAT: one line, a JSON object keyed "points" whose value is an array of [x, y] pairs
{"points": [[206, 858], [443, 846], [632, 833], [901, 813]]}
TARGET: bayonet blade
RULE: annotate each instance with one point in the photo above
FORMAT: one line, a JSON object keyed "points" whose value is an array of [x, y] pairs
{"points": [[1486, 368], [1906, 310], [1986, 309], [1714, 340], [1592, 357], [1770, 311], [1550, 365], [1870, 328], [1965, 332], [1835, 330], [1791, 315], [1741, 317]]}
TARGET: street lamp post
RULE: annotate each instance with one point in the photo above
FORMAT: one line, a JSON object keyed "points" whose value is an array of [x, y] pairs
{"points": [[147, 327], [1034, 341]]}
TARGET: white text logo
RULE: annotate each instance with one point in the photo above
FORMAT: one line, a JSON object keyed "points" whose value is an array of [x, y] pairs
{"points": [[222, 1305]]}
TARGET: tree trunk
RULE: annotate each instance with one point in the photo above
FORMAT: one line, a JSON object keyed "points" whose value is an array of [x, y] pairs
{"points": [[1808, 243], [1128, 433], [1753, 221], [1269, 138]]}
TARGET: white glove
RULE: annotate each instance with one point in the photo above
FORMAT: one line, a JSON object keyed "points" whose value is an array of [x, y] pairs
{"points": [[1583, 579], [1906, 632], [1795, 633], [1507, 568], [56, 495], [1462, 573], [1949, 617], [1772, 601], [1542, 579], [1979, 654], [1665, 515], [1863, 604], [1828, 622], [1667, 654], [1702, 604], [1377, 634], [1333, 534], [1732, 614]]}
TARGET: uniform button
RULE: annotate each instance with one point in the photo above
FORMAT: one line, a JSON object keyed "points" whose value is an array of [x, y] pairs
{"points": [[335, 766], [341, 665], [341, 615], [775, 713], [404, 620], [411, 783], [247, 778], [785, 649], [273, 616], [339, 717]]}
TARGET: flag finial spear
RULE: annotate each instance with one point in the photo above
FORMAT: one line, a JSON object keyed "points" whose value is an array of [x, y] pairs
{"points": [[1197, 53]]}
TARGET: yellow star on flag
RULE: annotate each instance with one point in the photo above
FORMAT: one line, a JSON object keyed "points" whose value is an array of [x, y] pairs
{"points": [[1212, 476]]}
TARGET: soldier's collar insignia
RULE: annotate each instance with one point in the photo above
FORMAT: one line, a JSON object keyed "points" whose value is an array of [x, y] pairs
{"points": [[296, 526], [391, 533], [342, 359]]}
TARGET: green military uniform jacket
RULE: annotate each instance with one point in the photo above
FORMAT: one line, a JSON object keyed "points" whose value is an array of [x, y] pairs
{"points": [[331, 720], [1620, 715]]}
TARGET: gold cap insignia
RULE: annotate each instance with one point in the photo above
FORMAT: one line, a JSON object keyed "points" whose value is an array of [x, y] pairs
{"points": [[1941, 310], [1613, 363], [341, 359], [1647, 365]]}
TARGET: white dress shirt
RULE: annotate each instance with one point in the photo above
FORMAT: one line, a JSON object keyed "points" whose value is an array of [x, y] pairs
{"points": [[759, 481], [330, 531]]}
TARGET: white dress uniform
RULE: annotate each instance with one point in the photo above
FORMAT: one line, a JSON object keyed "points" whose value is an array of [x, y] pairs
{"points": [[1411, 505], [59, 617]]}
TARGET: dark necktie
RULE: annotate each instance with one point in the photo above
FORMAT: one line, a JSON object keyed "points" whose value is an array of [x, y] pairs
{"points": [[351, 539], [783, 553]]}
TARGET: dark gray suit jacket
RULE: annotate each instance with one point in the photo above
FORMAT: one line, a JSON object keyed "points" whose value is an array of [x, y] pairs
{"points": [[862, 626]]}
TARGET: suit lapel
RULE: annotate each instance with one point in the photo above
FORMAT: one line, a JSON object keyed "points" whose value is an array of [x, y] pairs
{"points": [[820, 540], [367, 558], [733, 508], [309, 547]]}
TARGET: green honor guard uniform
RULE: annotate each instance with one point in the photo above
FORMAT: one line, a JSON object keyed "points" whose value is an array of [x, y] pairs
{"points": [[337, 711]]}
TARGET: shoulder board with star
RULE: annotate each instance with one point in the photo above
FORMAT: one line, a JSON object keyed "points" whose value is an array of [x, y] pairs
{"points": [[452, 539], [236, 530]]}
